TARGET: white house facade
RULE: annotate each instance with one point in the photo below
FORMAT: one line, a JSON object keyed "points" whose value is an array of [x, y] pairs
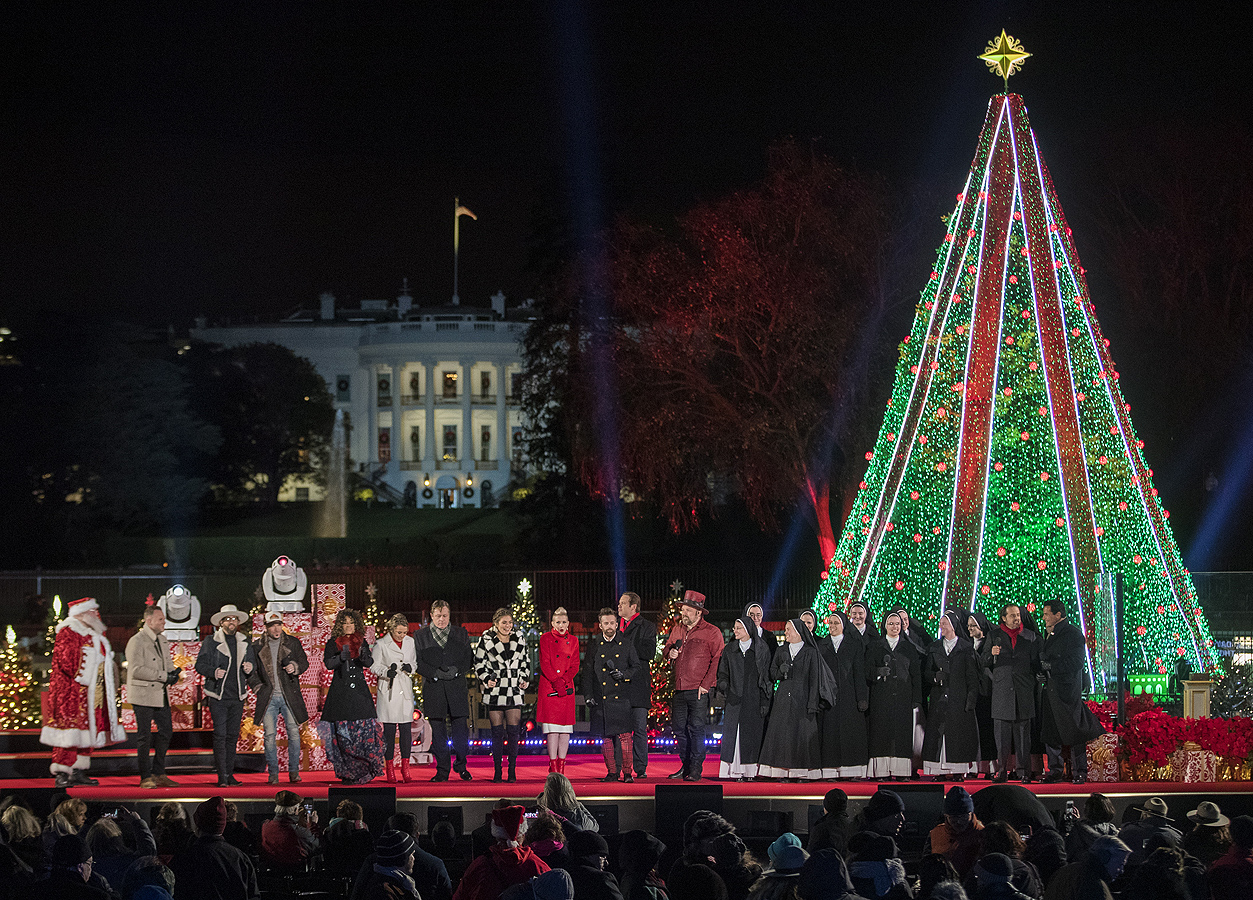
{"points": [[432, 393]]}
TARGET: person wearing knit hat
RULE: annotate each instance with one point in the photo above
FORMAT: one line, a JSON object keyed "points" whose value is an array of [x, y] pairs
{"points": [[958, 837], [589, 867], [82, 695], [506, 863], [232, 871], [995, 878], [832, 829], [554, 884], [884, 813], [392, 873], [950, 678], [638, 855]]}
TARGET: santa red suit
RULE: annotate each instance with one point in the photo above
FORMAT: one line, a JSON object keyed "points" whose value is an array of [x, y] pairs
{"points": [[82, 695]]}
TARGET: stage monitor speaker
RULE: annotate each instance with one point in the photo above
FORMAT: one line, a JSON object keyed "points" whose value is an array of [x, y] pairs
{"points": [[673, 803], [451, 814], [377, 803], [773, 822], [924, 809], [606, 816]]}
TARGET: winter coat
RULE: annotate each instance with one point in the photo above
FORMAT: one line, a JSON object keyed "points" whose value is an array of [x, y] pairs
{"points": [[591, 882], [558, 666], [1231, 875], [508, 663], [642, 633], [148, 662], [1084, 880], [744, 690], [348, 699], [1136, 835], [1065, 718], [394, 702], [215, 654], [961, 848], [844, 727], [82, 659], [1014, 672], [951, 681], [263, 678], [211, 869], [444, 695], [697, 664], [611, 712], [832, 831], [500, 867], [382, 886], [893, 698], [1026, 878]]}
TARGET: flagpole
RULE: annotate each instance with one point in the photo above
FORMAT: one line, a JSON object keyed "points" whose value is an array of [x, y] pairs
{"points": [[456, 220]]}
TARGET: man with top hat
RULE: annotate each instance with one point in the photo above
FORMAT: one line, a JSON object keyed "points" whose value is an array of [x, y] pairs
{"points": [[281, 661], [149, 673], [82, 694], [694, 646], [226, 661]]}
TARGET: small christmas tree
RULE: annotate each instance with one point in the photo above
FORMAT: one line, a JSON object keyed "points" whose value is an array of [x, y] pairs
{"points": [[661, 671], [375, 614], [19, 687], [526, 626]]}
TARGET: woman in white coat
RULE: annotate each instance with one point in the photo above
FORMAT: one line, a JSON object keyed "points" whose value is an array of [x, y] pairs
{"points": [[394, 660]]}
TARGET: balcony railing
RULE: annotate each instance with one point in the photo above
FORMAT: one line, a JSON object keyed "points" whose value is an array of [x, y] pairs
{"points": [[486, 465], [385, 399], [410, 465], [484, 399], [444, 398], [410, 399], [448, 464]]}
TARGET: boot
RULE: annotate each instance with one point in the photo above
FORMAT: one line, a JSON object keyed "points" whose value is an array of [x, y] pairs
{"points": [[552, 766], [387, 765], [561, 764], [498, 740], [514, 737], [404, 771]]}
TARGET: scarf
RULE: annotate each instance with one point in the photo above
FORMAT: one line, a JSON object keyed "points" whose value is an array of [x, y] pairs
{"points": [[441, 635], [1013, 635], [398, 874], [353, 641]]}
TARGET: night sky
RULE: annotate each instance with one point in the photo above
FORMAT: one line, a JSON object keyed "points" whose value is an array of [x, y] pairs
{"points": [[163, 160]]}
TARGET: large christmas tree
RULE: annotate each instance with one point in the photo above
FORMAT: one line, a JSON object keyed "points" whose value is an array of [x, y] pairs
{"points": [[1007, 468]]}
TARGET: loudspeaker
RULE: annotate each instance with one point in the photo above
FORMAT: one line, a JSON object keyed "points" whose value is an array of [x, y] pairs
{"points": [[772, 822], [673, 803], [606, 816], [437, 814], [377, 803], [924, 809]]}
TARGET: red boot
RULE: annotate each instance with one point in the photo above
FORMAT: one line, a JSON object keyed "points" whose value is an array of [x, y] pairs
{"points": [[552, 766], [404, 771], [561, 765], [391, 773]]}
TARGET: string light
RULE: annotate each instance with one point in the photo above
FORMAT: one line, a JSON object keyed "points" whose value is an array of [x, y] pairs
{"points": [[19, 687]]}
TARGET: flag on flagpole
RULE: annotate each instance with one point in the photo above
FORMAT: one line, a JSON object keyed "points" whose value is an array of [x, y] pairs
{"points": [[462, 211]]}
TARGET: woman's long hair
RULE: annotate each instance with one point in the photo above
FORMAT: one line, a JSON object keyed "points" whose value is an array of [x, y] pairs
{"points": [[558, 793], [344, 615]]}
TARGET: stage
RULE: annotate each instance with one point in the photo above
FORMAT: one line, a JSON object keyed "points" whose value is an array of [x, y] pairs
{"points": [[656, 804]]}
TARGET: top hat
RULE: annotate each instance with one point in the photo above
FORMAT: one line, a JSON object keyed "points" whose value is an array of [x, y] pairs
{"points": [[226, 611], [694, 599]]}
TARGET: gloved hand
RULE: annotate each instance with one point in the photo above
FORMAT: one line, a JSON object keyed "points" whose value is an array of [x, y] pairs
{"points": [[939, 678], [447, 672], [553, 694], [616, 674], [174, 675], [885, 672], [391, 671], [407, 669], [862, 705], [785, 669]]}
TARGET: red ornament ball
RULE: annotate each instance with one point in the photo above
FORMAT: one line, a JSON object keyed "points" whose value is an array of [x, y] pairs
{"points": [[899, 585], [1041, 565]]}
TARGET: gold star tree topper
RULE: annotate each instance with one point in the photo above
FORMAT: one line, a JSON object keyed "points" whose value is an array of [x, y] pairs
{"points": [[1004, 56]]}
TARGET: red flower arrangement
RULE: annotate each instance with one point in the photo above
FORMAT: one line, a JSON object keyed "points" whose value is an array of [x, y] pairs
{"points": [[1107, 710], [1150, 736]]}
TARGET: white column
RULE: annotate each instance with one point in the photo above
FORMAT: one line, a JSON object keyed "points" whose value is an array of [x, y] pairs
{"points": [[466, 451], [428, 403], [502, 431]]}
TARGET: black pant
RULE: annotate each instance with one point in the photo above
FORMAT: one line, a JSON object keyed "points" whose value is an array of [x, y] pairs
{"points": [[639, 715], [439, 744], [1078, 760], [227, 715], [687, 717], [1013, 736], [144, 717], [389, 739]]}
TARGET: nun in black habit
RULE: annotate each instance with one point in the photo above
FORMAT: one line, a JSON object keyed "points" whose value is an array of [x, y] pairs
{"points": [[792, 747], [757, 613], [951, 677], [744, 688], [843, 726], [860, 617], [895, 674], [977, 628]]}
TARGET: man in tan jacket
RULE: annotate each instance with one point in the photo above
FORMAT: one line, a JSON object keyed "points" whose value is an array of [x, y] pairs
{"points": [[149, 672]]}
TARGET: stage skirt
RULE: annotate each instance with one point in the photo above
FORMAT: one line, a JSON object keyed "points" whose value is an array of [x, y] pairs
{"points": [[356, 750]]}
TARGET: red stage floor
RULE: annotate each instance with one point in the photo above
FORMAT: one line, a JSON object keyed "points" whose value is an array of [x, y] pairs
{"points": [[585, 771]]}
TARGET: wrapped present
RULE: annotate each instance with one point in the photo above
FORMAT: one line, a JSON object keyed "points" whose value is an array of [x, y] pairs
{"points": [[1103, 758], [1191, 764]]}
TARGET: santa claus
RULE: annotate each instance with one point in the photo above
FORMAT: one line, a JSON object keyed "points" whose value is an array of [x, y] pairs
{"points": [[82, 695]]}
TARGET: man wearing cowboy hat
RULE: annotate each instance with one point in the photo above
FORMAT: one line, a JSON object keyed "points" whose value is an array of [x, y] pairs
{"points": [[694, 646], [1153, 821], [225, 661]]}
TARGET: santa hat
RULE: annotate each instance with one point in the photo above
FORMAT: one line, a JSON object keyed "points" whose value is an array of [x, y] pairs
{"points": [[509, 824], [82, 605]]}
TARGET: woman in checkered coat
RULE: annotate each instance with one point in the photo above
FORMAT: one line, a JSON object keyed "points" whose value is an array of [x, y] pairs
{"points": [[503, 667]]}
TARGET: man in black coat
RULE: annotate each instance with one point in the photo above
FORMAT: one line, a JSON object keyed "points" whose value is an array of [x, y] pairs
{"points": [[608, 673], [281, 660], [589, 856], [444, 658], [1012, 653], [1066, 719], [642, 634], [209, 868]]}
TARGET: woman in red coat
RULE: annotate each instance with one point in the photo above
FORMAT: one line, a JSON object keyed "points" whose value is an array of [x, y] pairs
{"points": [[558, 664]]}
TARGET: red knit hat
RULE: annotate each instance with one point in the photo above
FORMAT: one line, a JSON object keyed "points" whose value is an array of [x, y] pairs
{"points": [[210, 816], [507, 823]]}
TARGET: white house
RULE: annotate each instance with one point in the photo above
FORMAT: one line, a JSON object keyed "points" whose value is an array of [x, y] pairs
{"points": [[432, 392]]}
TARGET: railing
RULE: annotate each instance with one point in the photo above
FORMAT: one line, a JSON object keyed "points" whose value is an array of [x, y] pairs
{"points": [[410, 399], [486, 465], [444, 398], [411, 465], [383, 332], [484, 399], [448, 465], [385, 399]]}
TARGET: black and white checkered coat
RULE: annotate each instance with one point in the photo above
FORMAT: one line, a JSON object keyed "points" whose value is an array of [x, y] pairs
{"points": [[506, 661]]}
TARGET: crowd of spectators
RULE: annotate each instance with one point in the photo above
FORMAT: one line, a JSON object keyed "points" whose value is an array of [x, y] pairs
{"points": [[1000, 844]]}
